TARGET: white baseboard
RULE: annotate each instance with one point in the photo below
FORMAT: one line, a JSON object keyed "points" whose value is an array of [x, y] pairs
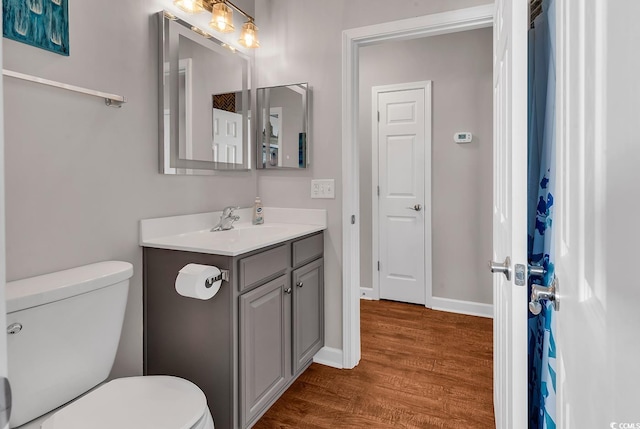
{"points": [[330, 357], [367, 293], [462, 307]]}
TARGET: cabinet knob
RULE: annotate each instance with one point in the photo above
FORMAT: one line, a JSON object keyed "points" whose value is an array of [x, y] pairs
{"points": [[287, 290], [299, 284]]}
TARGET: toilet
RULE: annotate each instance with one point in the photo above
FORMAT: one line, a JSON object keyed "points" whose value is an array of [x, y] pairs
{"points": [[63, 332]]}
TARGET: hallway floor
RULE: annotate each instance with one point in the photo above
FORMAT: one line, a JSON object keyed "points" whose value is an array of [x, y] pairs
{"points": [[420, 369]]}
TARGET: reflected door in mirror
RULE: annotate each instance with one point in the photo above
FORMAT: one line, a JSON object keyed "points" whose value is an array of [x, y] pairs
{"points": [[227, 137]]}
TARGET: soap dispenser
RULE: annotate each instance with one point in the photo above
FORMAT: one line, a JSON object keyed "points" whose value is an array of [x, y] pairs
{"points": [[258, 215]]}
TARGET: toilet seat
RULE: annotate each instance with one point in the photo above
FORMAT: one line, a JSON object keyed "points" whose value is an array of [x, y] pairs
{"points": [[150, 402]]}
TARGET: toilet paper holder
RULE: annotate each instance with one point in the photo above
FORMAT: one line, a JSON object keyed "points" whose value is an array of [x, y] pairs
{"points": [[224, 276]]}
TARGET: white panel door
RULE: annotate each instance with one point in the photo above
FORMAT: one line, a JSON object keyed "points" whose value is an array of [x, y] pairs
{"points": [[510, 211], [596, 218], [402, 138], [227, 137]]}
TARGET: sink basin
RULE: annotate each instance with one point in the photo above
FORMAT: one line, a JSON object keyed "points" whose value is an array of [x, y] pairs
{"points": [[250, 232]]}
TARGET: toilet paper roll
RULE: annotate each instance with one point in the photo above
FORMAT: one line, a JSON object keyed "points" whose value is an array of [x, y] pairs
{"points": [[193, 281]]}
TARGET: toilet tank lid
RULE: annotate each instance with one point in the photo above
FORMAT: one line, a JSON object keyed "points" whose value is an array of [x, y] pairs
{"points": [[47, 288]]}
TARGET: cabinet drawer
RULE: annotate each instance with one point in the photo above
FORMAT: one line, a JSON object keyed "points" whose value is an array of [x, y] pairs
{"points": [[264, 266], [307, 249]]}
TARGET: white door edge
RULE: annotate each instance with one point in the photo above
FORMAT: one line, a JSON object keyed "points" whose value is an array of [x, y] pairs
{"points": [[3, 253], [510, 212], [375, 175], [424, 26]]}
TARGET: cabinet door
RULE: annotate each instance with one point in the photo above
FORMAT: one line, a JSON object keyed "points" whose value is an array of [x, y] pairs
{"points": [[263, 346], [308, 313]]}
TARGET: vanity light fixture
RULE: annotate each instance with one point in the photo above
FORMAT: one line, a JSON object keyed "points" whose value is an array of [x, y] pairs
{"points": [[190, 6], [249, 35], [222, 18]]}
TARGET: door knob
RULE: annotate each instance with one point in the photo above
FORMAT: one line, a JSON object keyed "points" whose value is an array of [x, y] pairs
{"points": [[541, 293], [417, 207], [287, 290], [299, 284], [501, 267]]}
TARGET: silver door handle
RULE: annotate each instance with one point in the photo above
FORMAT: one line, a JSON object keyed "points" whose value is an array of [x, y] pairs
{"points": [[417, 207], [542, 293], [501, 267]]}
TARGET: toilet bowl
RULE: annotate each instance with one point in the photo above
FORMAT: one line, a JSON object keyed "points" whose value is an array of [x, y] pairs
{"points": [[136, 402], [64, 330], [132, 403]]}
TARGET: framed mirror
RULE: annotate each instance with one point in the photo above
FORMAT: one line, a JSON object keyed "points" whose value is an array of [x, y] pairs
{"points": [[282, 126], [203, 103]]}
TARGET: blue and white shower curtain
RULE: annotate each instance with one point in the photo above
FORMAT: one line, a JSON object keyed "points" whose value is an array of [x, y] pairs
{"points": [[541, 182]]}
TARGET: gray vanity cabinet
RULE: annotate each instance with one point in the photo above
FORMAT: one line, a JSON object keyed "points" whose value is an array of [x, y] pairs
{"points": [[264, 345], [246, 345]]}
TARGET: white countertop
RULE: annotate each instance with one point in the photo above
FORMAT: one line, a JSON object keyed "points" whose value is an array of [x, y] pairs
{"points": [[192, 232]]}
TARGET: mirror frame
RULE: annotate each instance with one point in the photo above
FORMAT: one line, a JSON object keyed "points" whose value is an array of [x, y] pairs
{"points": [[259, 125], [170, 28]]}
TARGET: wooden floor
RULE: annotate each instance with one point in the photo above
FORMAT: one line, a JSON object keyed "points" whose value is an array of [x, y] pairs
{"points": [[420, 368]]}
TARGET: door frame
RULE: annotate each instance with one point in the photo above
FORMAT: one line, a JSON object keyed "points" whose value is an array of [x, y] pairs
{"points": [[423, 26], [375, 176]]}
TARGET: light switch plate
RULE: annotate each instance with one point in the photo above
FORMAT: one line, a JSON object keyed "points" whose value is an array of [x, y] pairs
{"points": [[323, 188]]}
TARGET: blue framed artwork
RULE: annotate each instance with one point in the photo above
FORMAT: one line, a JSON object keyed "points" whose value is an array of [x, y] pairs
{"points": [[40, 23]]}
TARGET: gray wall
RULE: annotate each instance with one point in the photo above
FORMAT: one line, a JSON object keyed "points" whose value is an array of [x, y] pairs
{"points": [[301, 42], [80, 175], [460, 68]]}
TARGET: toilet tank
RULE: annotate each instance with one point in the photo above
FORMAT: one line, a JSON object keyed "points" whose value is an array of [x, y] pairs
{"points": [[63, 333]]}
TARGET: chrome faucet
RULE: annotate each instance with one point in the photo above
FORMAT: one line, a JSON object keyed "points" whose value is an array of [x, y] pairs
{"points": [[226, 219]]}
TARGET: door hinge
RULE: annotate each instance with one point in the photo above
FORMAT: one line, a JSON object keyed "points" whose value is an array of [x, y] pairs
{"points": [[378, 265], [353, 219], [378, 116], [378, 190]]}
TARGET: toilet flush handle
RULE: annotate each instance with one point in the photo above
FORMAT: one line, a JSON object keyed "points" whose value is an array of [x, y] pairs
{"points": [[13, 329]]}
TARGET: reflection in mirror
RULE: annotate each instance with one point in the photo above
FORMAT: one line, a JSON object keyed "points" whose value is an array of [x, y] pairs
{"points": [[282, 126], [227, 128], [205, 106]]}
